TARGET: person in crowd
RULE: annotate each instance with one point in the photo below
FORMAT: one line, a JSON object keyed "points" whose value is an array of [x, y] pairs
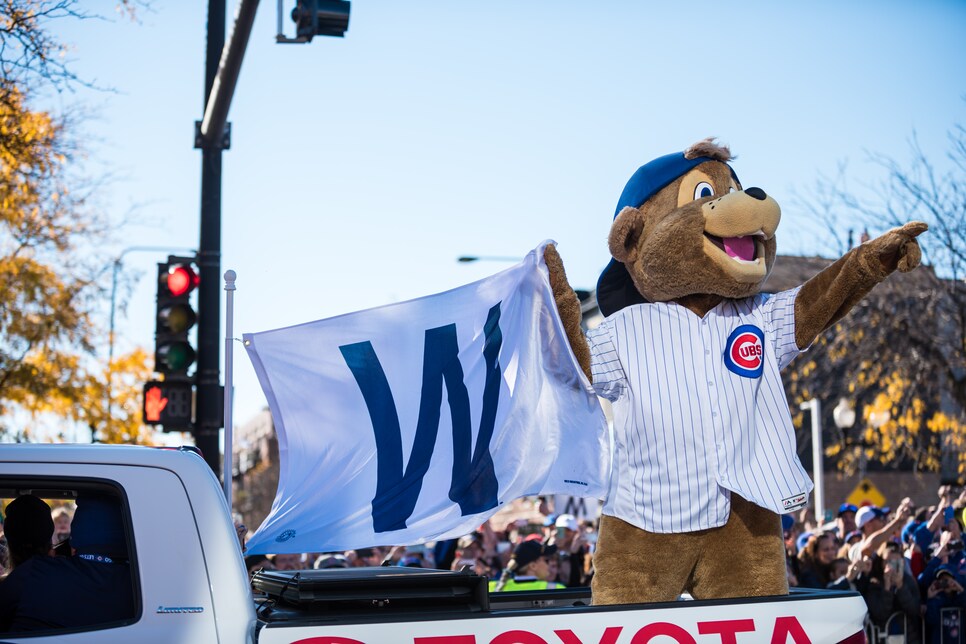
{"points": [[851, 539], [529, 568], [815, 560], [911, 549], [844, 573], [571, 550], [330, 560], [288, 561], [29, 528], [845, 519], [946, 552], [945, 592], [362, 557], [254, 563], [469, 548], [62, 518], [445, 554], [889, 589], [871, 521], [93, 586], [790, 532]]}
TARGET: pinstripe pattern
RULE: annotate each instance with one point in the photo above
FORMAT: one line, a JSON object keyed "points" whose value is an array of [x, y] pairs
{"points": [[688, 430]]}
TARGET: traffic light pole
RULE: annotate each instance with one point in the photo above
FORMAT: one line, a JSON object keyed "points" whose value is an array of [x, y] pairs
{"points": [[213, 135], [208, 408]]}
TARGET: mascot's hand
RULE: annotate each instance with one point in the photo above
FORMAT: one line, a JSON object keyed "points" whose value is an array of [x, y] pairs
{"points": [[568, 307], [898, 248]]}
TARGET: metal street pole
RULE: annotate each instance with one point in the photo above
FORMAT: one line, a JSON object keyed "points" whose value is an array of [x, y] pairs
{"points": [[814, 407], [213, 135], [208, 409]]}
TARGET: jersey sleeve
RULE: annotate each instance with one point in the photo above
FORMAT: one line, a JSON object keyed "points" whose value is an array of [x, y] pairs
{"points": [[778, 310], [605, 366]]}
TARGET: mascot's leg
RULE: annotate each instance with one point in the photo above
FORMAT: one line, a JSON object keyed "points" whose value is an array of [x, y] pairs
{"points": [[632, 565], [743, 558]]}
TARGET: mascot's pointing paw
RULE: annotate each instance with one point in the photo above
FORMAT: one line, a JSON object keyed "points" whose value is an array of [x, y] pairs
{"points": [[690, 354]]}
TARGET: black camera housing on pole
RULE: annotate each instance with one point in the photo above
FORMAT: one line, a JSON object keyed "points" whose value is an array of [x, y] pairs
{"points": [[320, 18]]}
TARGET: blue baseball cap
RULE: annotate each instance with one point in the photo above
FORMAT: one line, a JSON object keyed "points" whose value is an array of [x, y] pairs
{"points": [[615, 289], [846, 507], [802, 540], [908, 532]]}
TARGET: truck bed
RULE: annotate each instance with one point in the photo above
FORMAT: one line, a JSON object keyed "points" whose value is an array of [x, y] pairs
{"points": [[429, 607]]}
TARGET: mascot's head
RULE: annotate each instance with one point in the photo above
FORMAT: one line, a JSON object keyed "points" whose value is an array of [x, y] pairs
{"points": [[684, 226]]}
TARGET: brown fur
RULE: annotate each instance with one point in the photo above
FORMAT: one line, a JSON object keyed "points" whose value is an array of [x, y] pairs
{"points": [[708, 148], [665, 246], [735, 560]]}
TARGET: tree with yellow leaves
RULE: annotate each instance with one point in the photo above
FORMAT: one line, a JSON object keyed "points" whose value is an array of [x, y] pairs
{"points": [[900, 355], [50, 281]]}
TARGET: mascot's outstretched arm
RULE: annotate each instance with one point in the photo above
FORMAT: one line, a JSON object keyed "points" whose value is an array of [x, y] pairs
{"points": [[830, 295], [568, 306]]}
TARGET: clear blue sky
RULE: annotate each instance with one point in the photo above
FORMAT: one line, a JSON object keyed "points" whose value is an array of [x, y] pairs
{"points": [[361, 167]]}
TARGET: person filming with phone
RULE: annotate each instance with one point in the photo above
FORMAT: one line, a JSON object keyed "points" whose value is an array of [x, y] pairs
{"points": [[945, 601]]}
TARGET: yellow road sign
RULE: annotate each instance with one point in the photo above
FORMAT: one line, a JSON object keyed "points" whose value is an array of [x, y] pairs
{"points": [[866, 493]]}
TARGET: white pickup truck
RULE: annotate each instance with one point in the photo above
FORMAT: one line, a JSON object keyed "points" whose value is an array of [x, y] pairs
{"points": [[190, 583]]}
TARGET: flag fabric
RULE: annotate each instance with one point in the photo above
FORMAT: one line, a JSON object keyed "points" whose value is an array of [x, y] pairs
{"points": [[417, 421]]}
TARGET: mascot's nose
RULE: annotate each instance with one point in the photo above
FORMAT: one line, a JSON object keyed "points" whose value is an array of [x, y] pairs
{"points": [[757, 193]]}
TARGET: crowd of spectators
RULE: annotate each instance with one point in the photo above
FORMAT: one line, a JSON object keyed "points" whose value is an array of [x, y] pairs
{"points": [[907, 563], [556, 552]]}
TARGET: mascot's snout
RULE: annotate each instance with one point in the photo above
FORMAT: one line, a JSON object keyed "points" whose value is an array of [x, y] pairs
{"points": [[737, 227]]}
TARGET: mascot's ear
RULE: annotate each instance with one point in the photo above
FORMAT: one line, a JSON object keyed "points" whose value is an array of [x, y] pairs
{"points": [[625, 234]]}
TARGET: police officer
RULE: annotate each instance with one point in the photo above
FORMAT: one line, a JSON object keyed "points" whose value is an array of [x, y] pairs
{"points": [[528, 569]]}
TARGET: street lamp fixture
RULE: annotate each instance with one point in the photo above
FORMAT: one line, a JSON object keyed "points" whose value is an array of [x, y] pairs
{"points": [[844, 415]]}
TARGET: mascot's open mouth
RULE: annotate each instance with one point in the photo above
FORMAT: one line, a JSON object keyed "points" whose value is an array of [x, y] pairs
{"points": [[741, 249]]}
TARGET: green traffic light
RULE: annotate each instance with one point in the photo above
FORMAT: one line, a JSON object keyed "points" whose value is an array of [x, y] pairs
{"points": [[176, 356]]}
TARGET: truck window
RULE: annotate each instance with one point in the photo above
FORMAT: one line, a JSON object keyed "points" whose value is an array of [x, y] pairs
{"points": [[69, 564]]}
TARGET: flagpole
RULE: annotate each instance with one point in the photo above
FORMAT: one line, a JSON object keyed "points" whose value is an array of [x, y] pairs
{"points": [[229, 313]]}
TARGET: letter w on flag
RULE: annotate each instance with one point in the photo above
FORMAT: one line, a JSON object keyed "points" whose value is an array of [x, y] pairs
{"points": [[416, 421]]}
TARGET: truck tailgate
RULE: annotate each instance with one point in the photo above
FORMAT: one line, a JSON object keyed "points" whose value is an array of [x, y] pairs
{"points": [[801, 617]]}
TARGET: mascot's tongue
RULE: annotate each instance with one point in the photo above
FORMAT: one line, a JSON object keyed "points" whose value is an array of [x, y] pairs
{"points": [[740, 247]]}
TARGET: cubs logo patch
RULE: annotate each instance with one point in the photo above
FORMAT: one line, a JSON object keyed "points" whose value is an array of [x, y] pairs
{"points": [[744, 351]]}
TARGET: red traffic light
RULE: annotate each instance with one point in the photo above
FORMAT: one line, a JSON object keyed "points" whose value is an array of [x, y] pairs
{"points": [[181, 280]]}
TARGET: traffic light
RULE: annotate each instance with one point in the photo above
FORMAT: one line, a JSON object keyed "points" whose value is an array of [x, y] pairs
{"points": [[320, 18], [168, 403], [173, 353]]}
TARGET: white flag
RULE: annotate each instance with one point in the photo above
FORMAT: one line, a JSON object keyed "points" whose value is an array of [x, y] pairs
{"points": [[416, 421]]}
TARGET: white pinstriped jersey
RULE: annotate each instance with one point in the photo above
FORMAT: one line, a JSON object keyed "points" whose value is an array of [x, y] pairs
{"points": [[699, 410]]}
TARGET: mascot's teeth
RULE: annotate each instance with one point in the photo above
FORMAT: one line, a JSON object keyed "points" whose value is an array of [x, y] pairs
{"points": [[740, 247]]}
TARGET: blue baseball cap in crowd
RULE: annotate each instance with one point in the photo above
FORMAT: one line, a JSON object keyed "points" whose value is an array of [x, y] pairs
{"points": [[846, 507], [550, 520], [852, 535], [787, 522], [908, 532], [802, 540], [615, 290]]}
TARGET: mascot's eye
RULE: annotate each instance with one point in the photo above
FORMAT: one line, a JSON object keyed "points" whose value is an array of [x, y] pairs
{"points": [[703, 190], [732, 189]]}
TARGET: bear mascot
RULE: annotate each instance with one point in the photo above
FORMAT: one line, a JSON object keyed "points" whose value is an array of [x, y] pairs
{"points": [[689, 355]]}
